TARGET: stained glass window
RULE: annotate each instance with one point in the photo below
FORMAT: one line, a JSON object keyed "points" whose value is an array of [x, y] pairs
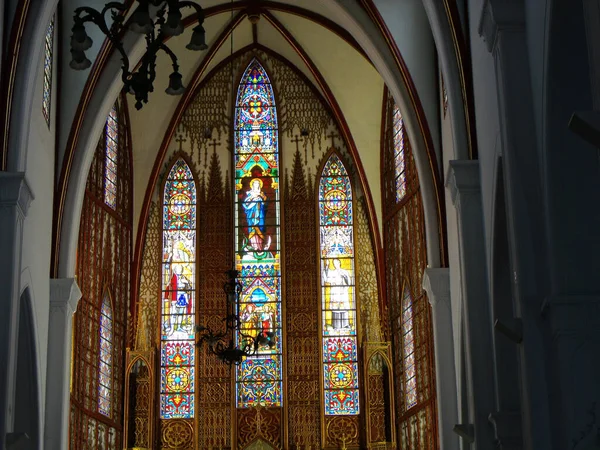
{"points": [[105, 367], [340, 354], [399, 150], [110, 159], [48, 49], [257, 236], [408, 351], [177, 348]]}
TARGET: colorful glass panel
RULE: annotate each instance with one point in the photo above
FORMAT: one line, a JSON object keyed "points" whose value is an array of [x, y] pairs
{"points": [[110, 158], [48, 57], [178, 294], [340, 355], [408, 348], [105, 366], [257, 236], [399, 150]]}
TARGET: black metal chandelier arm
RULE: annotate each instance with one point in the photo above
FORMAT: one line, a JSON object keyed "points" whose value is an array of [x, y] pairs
{"points": [[198, 8], [98, 17], [162, 46]]}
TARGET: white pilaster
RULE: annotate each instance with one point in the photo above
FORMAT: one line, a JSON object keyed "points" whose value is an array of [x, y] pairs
{"points": [[64, 295], [436, 283], [503, 27], [15, 198], [465, 187]]}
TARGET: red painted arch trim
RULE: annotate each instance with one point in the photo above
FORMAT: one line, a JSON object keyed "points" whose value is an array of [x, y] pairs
{"points": [[99, 65], [347, 135], [9, 71], [373, 12], [188, 96]]}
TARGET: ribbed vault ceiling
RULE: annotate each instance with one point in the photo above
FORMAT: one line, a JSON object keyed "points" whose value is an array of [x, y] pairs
{"points": [[303, 35]]}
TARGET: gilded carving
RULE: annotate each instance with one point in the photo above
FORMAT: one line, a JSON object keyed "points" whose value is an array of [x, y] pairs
{"points": [[177, 434], [147, 322], [342, 431], [259, 423], [366, 283]]}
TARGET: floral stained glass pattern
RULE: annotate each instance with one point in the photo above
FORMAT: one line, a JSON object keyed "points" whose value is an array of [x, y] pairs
{"points": [[340, 353], [48, 58], [110, 159], [257, 236], [399, 150], [408, 348], [178, 290], [105, 366]]}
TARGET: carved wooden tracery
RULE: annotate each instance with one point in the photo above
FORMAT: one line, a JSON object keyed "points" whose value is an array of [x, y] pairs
{"points": [[103, 256], [301, 421], [405, 257]]}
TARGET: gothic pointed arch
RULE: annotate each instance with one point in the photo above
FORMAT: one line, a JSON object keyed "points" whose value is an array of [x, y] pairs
{"points": [[105, 363], [410, 313], [103, 275], [178, 293], [259, 379], [338, 296]]}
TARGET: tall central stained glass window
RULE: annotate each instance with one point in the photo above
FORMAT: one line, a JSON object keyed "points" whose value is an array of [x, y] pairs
{"points": [[257, 237], [340, 354], [177, 348]]}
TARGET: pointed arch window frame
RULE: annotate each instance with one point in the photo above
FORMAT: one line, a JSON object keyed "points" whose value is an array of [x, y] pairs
{"points": [[112, 137], [173, 357], [48, 68], [250, 390], [343, 354], [105, 353], [408, 351]]}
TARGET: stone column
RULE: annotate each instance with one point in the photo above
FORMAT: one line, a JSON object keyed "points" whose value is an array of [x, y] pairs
{"points": [[503, 27], [437, 284], [465, 187], [15, 198], [64, 295]]}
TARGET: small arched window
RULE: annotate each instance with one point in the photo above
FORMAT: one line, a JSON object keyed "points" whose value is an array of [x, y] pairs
{"points": [[48, 60], [408, 351], [111, 147], [338, 297], [257, 243], [105, 366], [177, 347], [399, 151]]}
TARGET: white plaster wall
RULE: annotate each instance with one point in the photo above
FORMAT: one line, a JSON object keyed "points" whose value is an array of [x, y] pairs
{"points": [[447, 145], [408, 23], [37, 230], [537, 16], [487, 119]]}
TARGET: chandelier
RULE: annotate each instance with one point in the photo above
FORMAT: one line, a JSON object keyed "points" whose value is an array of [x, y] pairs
{"points": [[158, 20], [235, 343]]}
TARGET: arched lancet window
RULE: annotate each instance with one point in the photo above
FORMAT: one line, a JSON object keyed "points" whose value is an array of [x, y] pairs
{"points": [[410, 314], [340, 353], [105, 366], [409, 380], [257, 241], [177, 348], [399, 150], [110, 158], [48, 59]]}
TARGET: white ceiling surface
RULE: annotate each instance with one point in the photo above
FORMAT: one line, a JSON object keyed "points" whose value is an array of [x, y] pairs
{"points": [[354, 82]]}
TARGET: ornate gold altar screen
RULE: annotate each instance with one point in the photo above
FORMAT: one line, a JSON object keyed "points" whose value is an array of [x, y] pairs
{"points": [[300, 422]]}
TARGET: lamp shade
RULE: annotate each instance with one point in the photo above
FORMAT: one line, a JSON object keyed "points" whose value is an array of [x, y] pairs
{"points": [[198, 39], [79, 39], [79, 61], [173, 26], [175, 84], [140, 20]]}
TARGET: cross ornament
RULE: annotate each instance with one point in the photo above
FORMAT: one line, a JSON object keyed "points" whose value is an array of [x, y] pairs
{"points": [[332, 136]]}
